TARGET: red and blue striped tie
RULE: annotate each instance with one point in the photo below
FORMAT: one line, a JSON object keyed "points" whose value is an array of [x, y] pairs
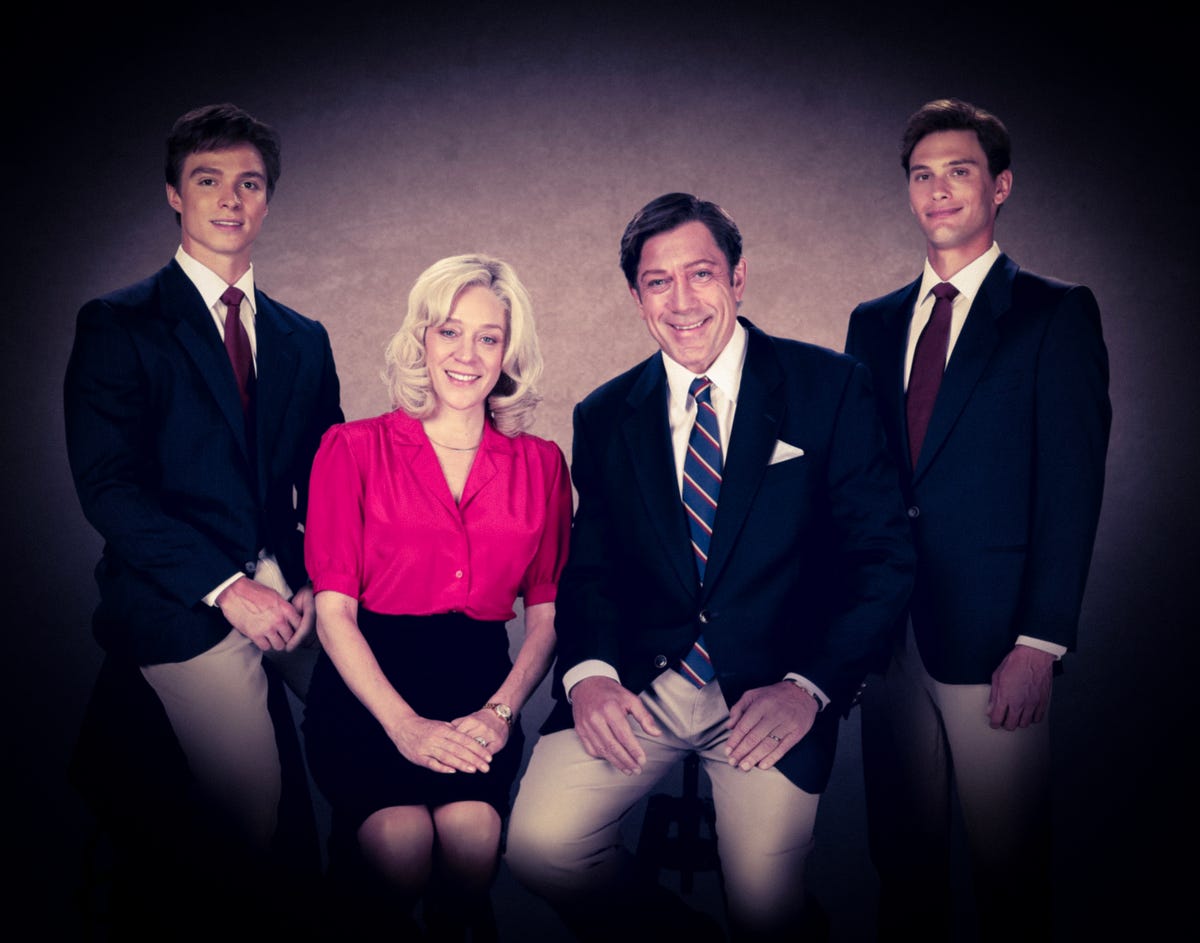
{"points": [[701, 488]]}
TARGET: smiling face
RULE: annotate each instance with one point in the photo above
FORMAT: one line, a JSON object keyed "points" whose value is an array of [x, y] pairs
{"points": [[465, 352], [687, 294], [954, 197], [221, 202]]}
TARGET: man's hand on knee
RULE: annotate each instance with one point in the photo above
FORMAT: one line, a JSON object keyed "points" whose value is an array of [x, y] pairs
{"points": [[602, 708]]}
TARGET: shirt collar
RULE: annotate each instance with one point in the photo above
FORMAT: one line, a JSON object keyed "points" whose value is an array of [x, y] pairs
{"points": [[210, 285], [725, 372], [967, 280]]}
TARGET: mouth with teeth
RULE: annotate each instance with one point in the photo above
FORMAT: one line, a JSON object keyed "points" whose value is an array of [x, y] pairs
{"points": [[693, 326], [462, 377], [227, 223]]}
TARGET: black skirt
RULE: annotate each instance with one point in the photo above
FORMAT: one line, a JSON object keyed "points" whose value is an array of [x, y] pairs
{"points": [[445, 666]]}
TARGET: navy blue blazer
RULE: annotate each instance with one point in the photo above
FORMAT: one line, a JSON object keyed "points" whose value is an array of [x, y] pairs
{"points": [[163, 465], [1005, 498], [810, 561]]}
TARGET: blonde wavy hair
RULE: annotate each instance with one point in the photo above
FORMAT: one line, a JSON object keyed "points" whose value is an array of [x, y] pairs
{"points": [[430, 303]]}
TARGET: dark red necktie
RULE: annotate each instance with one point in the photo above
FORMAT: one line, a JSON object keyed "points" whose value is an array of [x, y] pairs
{"points": [[929, 363], [237, 344]]}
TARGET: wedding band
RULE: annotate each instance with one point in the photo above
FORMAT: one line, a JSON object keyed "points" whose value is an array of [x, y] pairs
{"points": [[772, 736], [480, 741]]}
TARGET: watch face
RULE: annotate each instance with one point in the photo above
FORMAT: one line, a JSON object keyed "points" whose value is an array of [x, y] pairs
{"points": [[504, 711]]}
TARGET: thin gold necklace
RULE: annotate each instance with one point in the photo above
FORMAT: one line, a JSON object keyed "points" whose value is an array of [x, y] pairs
{"points": [[451, 448]]}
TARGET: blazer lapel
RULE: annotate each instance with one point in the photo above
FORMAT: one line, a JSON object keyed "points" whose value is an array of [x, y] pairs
{"points": [[756, 424], [647, 436], [197, 333], [971, 354], [276, 363], [889, 388]]}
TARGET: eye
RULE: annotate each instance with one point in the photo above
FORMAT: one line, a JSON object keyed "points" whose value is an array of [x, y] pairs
{"points": [[656, 284], [206, 182], [489, 340], [446, 332], [250, 184], [702, 275]]}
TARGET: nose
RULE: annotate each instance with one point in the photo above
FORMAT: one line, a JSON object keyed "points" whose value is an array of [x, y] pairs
{"points": [[464, 350], [231, 196], [682, 295], [941, 188]]}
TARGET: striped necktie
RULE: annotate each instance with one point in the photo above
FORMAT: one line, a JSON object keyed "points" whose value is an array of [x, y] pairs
{"points": [[701, 488]]}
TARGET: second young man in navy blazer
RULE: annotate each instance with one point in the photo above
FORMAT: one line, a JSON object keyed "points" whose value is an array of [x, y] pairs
{"points": [[1002, 472]]}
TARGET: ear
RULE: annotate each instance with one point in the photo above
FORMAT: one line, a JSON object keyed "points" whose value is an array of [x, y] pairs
{"points": [[637, 299], [1004, 182], [174, 199], [739, 279]]}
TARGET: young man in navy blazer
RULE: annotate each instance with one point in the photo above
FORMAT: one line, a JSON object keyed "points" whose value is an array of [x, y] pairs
{"points": [[785, 603], [995, 402], [197, 480]]}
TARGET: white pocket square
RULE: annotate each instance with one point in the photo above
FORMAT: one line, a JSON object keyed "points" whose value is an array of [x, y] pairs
{"points": [[784, 452]]}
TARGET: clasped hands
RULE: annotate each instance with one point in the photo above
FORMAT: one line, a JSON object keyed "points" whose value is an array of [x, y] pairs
{"points": [[463, 745], [763, 725], [266, 618]]}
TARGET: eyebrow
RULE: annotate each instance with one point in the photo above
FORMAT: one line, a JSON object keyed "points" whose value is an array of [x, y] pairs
{"points": [[218, 172], [952, 163], [482, 327], [711, 263]]}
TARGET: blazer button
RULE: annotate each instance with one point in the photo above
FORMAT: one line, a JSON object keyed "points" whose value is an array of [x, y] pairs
{"points": [[914, 512], [703, 617], [660, 661], [251, 567]]}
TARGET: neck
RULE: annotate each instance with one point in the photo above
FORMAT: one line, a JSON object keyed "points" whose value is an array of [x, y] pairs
{"points": [[456, 430], [949, 262], [228, 267]]}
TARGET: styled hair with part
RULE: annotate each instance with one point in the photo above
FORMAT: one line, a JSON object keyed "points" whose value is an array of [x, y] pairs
{"points": [[953, 114], [431, 301], [670, 211], [217, 128]]}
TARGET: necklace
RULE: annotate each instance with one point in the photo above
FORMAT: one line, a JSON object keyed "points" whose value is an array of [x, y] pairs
{"points": [[451, 448]]}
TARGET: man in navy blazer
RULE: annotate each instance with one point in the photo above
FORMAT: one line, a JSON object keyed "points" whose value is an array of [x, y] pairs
{"points": [[1003, 492], [809, 564], [197, 478]]}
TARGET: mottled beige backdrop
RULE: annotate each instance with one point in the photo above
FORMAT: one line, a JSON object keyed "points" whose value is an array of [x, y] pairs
{"points": [[534, 135]]}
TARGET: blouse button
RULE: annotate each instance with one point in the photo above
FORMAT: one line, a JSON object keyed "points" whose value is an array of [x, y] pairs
{"points": [[458, 574]]}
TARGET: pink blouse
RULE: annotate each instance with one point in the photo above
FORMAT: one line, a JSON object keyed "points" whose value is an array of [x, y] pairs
{"points": [[383, 527]]}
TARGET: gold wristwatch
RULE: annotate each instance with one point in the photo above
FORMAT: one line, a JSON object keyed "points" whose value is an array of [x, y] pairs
{"points": [[503, 711]]}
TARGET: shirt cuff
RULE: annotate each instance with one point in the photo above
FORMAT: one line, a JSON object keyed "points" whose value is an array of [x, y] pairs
{"points": [[1041, 645], [211, 598], [591, 668], [809, 687]]}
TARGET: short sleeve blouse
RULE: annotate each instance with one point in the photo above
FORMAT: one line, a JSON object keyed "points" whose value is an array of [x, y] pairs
{"points": [[383, 527]]}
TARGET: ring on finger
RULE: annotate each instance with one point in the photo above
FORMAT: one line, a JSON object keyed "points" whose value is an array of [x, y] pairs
{"points": [[772, 736], [480, 741]]}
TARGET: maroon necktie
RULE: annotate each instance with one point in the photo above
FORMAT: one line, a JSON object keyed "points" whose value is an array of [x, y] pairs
{"points": [[929, 362], [237, 344]]}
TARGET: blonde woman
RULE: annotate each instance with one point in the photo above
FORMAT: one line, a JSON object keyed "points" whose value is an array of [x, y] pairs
{"points": [[424, 525]]}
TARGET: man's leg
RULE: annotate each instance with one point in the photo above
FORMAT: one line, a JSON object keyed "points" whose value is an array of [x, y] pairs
{"points": [[906, 772], [217, 705], [1003, 781], [564, 835], [764, 836]]}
